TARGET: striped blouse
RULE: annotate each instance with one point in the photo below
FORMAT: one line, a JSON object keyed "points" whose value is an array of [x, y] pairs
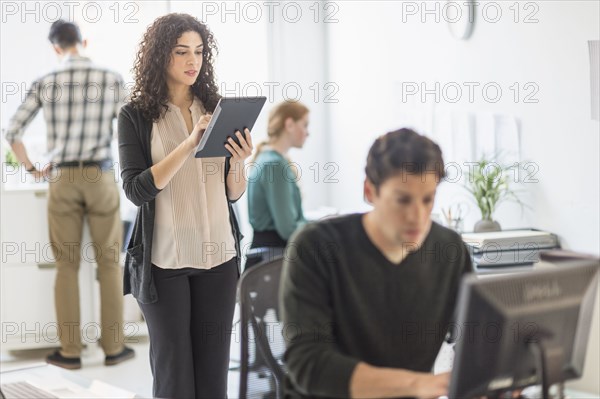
{"points": [[191, 227]]}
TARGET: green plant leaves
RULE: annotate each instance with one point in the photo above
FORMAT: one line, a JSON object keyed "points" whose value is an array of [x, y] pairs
{"points": [[10, 158], [489, 184]]}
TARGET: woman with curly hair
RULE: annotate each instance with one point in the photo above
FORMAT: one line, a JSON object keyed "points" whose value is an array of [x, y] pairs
{"points": [[182, 262]]}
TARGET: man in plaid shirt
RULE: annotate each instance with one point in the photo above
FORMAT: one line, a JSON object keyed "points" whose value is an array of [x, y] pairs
{"points": [[80, 101]]}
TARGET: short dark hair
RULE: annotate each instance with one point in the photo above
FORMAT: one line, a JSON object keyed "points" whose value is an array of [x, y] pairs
{"points": [[64, 34], [403, 151]]}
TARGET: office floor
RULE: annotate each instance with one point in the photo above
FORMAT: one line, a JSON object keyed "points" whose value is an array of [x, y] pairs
{"points": [[133, 375]]}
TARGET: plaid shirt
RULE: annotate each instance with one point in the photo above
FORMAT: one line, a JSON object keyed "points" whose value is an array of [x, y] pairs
{"points": [[80, 101]]}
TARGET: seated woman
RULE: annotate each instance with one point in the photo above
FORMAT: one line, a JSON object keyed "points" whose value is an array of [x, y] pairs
{"points": [[274, 202]]}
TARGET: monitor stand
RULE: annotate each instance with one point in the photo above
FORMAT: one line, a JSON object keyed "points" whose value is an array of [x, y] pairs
{"points": [[549, 359]]}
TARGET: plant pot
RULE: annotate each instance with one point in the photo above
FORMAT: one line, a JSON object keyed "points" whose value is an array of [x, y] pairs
{"points": [[487, 225]]}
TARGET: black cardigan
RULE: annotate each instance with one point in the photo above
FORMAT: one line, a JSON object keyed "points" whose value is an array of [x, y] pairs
{"points": [[135, 158]]}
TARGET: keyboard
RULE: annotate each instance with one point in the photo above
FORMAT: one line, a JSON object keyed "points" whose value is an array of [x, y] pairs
{"points": [[23, 390]]}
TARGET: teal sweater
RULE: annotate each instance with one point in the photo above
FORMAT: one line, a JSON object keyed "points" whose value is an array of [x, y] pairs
{"points": [[274, 201]]}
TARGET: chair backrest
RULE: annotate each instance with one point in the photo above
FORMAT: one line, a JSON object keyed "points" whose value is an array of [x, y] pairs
{"points": [[254, 256], [262, 370]]}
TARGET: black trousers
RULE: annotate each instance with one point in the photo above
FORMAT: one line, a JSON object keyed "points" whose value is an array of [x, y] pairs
{"points": [[190, 330]]}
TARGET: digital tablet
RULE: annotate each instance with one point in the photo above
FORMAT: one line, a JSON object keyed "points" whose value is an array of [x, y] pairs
{"points": [[231, 114]]}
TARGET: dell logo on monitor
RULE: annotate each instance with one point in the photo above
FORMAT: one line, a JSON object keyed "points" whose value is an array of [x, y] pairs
{"points": [[537, 291]]}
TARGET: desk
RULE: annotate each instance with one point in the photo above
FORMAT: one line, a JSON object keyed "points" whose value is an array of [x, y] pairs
{"points": [[62, 383]]}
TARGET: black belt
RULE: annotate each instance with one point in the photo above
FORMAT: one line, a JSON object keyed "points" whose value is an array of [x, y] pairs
{"points": [[103, 164]]}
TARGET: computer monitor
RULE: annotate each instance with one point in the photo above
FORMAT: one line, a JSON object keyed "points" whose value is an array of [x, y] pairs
{"points": [[523, 329]]}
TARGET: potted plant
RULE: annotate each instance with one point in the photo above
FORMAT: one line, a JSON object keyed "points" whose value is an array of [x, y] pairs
{"points": [[10, 159], [489, 183], [10, 167]]}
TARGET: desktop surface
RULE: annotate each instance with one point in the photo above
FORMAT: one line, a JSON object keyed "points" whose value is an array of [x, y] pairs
{"points": [[60, 383]]}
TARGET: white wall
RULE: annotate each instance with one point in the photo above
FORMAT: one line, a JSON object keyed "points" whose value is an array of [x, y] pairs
{"points": [[373, 51], [298, 62]]}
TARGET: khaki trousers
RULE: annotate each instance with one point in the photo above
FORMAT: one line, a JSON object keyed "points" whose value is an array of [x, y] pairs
{"points": [[76, 193]]}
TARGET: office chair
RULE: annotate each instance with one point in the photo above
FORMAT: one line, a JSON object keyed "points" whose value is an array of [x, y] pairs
{"points": [[262, 370], [258, 255], [254, 256]]}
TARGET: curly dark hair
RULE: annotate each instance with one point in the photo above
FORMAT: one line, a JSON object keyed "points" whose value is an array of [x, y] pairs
{"points": [[150, 93], [403, 151]]}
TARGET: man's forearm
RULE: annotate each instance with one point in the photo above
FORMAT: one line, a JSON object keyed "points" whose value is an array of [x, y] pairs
{"points": [[21, 154], [378, 382]]}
